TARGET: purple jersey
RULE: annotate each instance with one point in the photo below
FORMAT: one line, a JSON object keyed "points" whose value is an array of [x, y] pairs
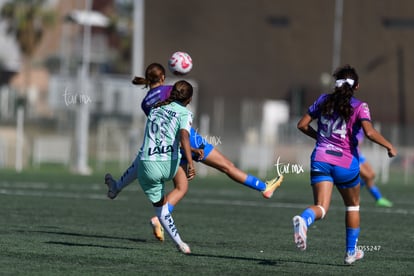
{"points": [[360, 135], [337, 142], [155, 95], [360, 138]]}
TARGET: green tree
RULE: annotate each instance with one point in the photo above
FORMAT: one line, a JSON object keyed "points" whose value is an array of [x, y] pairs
{"points": [[120, 36], [27, 21]]}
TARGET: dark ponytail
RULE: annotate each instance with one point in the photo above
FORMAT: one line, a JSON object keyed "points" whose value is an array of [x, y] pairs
{"points": [[339, 102], [182, 91]]}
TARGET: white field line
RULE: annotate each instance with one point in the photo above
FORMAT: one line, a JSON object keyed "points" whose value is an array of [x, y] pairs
{"points": [[52, 194], [286, 205], [54, 186], [44, 190]]}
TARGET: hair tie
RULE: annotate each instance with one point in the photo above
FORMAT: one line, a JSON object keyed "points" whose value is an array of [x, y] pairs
{"points": [[340, 82]]}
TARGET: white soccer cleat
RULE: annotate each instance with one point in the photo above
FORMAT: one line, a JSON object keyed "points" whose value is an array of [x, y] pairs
{"points": [[300, 228], [352, 258], [111, 184], [184, 248]]}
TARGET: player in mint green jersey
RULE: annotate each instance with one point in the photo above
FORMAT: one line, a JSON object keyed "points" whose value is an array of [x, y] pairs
{"points": [[203, 152], [167, 128]]}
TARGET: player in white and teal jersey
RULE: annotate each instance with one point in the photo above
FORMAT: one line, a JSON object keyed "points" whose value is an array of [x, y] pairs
{"points": [[161, 143], [202, 152], [161, 146], [167, 128]]}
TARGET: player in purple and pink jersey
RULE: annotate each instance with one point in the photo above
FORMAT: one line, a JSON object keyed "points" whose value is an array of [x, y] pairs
{"points": [[335, 160]]}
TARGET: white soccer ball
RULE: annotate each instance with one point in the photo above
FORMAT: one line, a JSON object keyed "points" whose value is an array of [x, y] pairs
{"points": [[180, 63]]}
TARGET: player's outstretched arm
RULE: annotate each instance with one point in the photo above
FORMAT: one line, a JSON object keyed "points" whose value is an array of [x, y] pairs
{"points": [[376, 137]]}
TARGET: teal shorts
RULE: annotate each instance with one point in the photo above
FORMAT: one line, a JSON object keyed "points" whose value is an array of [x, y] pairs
{"points": [[152, 176]]}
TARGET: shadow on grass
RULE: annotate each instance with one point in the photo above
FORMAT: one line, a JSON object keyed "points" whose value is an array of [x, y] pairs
{"points": [[89, 245], [259, 261], [81, 235], [264, 261]]}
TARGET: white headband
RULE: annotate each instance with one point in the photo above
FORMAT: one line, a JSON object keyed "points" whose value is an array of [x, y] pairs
{"points": [[339, 83]]}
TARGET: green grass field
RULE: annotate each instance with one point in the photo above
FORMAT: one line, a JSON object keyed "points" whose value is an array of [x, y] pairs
{"points": [[55, 223]]}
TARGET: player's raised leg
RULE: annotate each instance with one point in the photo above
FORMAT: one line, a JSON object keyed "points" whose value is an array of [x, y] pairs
{"points": [[115, 186], [218, 161]]}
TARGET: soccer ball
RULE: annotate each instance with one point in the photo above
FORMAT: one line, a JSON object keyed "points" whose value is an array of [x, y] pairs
{"points": [[180, 63]]}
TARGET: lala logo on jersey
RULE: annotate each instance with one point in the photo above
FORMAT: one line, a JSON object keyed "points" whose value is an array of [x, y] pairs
{"points": [[160, 150]]}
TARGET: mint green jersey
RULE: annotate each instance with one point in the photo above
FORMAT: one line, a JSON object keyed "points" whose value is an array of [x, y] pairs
{"points": [[162, 132]]}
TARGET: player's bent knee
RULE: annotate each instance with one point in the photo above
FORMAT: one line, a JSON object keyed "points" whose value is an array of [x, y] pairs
{"points": [[323, 211]]}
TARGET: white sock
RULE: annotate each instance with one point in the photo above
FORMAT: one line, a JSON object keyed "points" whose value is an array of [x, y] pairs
{"points": [[167, 222]]}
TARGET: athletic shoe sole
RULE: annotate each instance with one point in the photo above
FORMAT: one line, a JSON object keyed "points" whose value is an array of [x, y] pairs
{"points": [[157, 229], [350, 259], [300, 229], [109, 181]]}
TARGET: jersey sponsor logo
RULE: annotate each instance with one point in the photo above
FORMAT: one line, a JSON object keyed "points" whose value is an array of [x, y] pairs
{"points": [[335, 153], [365, 109], [171, 113], [331, 147], [160, 150]]}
